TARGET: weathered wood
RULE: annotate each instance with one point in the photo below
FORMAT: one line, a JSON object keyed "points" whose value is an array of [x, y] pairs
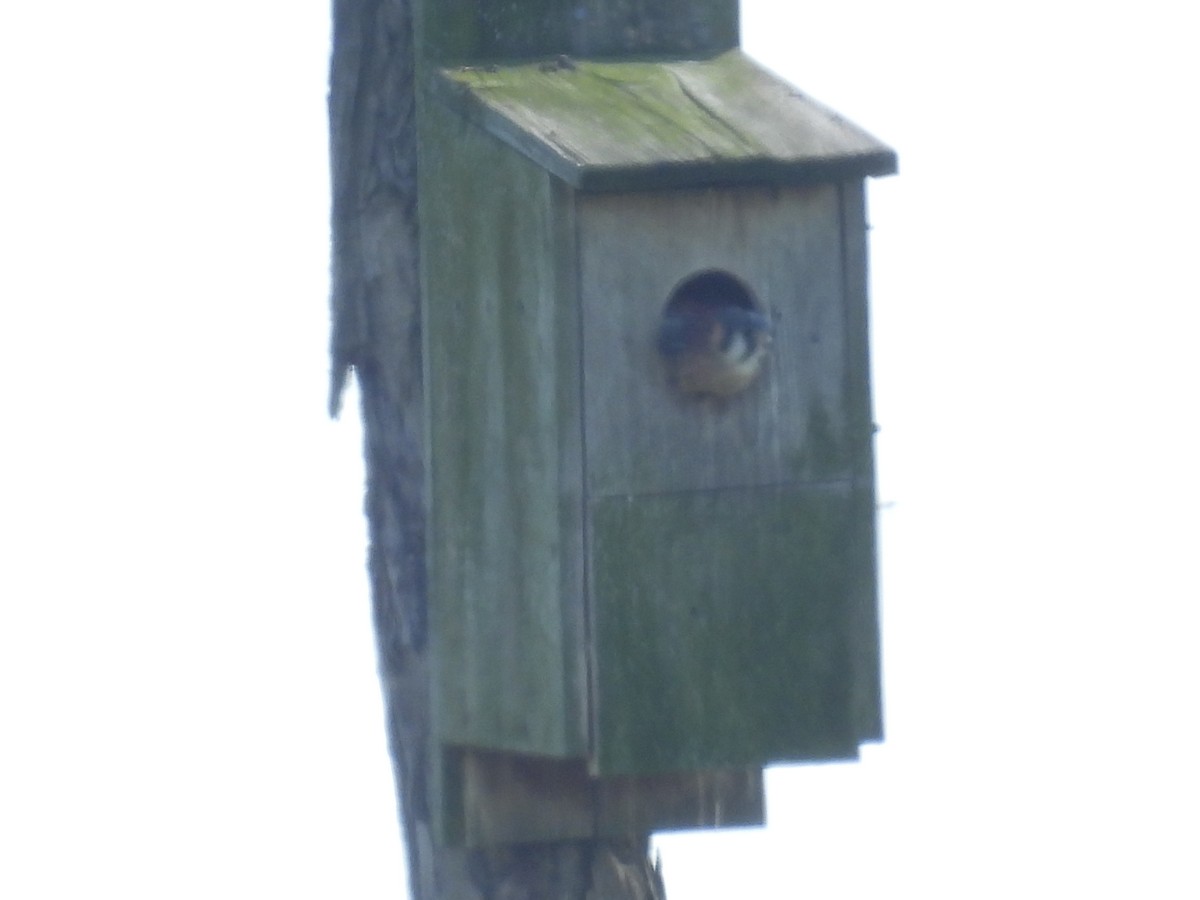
{"points": [[722, 628], [567, 870], [709, 520], [506, 798], [644, 437], [679, 123], [563, 452], [505, 334], [506, 580], [506, 570], [375, 301], [867, 696], [376, 332], [474, 31]]}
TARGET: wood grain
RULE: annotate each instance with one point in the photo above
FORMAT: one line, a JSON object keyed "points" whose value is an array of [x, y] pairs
{"points": [[644, 125]]}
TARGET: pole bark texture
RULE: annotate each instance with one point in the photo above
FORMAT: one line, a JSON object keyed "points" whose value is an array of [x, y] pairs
{"points": [[376, 333]]}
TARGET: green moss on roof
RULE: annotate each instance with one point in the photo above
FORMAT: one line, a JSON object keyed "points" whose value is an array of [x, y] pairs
{"points": [[625, 125]]}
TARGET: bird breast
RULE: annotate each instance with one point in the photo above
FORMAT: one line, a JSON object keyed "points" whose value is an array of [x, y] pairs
{"points": [[723, 373]]}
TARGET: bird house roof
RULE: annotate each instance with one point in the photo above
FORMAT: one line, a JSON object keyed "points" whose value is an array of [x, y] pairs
{"points": [[645, 125]]}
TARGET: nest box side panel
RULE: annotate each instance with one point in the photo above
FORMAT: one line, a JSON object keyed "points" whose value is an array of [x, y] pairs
{"points": [[502, 390], [784, 244], [868, 684]]}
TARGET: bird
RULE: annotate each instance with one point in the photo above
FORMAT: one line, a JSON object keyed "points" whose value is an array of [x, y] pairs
{"points": [[712, 348]]}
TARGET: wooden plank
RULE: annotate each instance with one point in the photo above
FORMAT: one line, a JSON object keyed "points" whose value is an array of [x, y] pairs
{"points": [[722, 628], [641, 435], [867, 696], [470, 31], [501, 352], [694, 501], [645, 125], [508, 798]]}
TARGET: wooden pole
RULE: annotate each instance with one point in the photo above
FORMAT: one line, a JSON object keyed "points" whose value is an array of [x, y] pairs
{"points": [[379, 47]]}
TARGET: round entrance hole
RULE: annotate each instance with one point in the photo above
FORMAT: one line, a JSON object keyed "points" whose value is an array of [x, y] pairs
{"points": [[712, 336]]}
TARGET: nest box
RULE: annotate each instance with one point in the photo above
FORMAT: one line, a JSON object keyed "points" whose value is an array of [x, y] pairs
{"points": [[634, 573]]}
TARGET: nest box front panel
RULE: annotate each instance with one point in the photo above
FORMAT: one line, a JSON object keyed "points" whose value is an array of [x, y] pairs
{"points": [[724, 632], [729, 533], [643, 434]]}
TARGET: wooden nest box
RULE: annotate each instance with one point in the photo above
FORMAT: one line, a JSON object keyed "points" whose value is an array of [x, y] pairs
{"points": [[642, 591]]}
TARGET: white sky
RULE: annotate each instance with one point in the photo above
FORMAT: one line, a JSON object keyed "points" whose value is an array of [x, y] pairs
{"points": [[188, 694]]}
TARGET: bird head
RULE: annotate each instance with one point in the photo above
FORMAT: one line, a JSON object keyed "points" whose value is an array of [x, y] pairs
{"points": [[713, 348]]}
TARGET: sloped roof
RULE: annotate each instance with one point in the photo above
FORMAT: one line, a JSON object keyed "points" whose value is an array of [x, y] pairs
{"points": [[645, 125]]}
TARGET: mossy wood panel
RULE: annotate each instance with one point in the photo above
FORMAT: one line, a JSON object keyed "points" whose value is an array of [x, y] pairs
{"points": [[474, 31], [504, 454], [638, 125], [793, 424], [723, 632]]}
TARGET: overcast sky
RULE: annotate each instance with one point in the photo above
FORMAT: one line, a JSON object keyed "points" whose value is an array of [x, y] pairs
{"points": [[188, 693]]}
